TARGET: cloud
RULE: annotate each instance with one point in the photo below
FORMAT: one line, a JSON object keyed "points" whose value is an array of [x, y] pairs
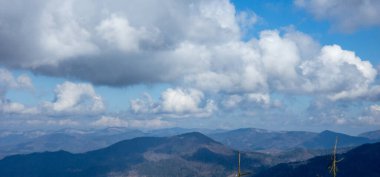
{"points": [[176, 102], [118, 32], [371, 115], [238, 101], [75, 98], [9, 107], [109, 121], [52, 122], [345, 15], [375, 108], [288, 63], [9, 81], [247, 19], [120, 38], [338, 72], [197, 45]]}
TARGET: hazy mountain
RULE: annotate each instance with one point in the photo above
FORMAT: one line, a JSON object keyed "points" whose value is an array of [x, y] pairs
{"points": [[76, 140], [327, 138], [191, 154], [361, 161], [15, 137], [71, 140], [177, 130], [372, 135], [251, 139], [281, 143]]}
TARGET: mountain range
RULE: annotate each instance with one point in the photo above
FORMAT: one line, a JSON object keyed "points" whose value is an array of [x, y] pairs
{"points": [[195, 154], [361, 161], [191, 154], [372, 135], [251, 139], [296, 145]]}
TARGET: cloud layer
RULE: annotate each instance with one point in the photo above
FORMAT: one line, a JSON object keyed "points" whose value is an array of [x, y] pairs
{"points": [[345, 15], [196, 46], [195, 43]]}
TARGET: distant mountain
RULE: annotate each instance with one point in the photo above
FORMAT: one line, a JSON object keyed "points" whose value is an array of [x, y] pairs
{"points": [[251, 139], [361, 161], [76, 140], [191, 154], [67, 139], [327, 138], [177, 130], [281, 143], [372, 135]]}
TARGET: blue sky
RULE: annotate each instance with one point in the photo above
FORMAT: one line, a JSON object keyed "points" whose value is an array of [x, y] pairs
{"points": [[280, 65]]}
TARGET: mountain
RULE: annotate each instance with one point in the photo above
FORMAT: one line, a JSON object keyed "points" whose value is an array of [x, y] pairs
{"points": [[251, 139], [372, 135], [285, 144], [361, 161], [190, 154], [177, 130], [71, 140], [326, 139]]}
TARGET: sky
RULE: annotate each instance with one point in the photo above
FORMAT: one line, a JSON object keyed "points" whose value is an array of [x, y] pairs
{"points": [[218, 64]]}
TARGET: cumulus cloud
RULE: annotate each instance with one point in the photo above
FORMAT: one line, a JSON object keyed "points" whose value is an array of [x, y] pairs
{"points": [[9, 81], [78, 98], [196, 45], [345, 15], [375, 108], [235, 101], [247, 19], [339, 72], [176, 102], [119, 37], [9, 107]]}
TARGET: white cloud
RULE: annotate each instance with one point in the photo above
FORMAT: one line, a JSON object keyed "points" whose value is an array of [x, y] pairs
{"points": [[247, 19], [375, 108], [143, 105], [52, 122], [370, 116], [232, 101], [248, 101], [176, 102], [124, 38], [346, 15], [280, 57], [76, 98], [181, 101], [117, 31], [8, 107], [338, 72], [61, 35], [108, 121], [9, 81], [195, 45]]}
